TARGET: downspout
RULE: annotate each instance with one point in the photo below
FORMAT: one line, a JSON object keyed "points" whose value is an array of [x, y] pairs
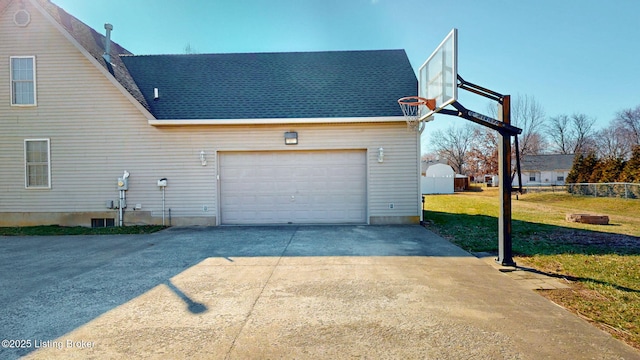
{"points": [[107, 43]]}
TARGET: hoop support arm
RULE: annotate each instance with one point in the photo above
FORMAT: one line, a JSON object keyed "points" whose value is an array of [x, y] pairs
{"points": [[483, 120], [477, 89]]}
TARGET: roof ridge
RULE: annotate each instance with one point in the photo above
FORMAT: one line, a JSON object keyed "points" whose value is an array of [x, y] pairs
{"points": [[102, 36], [268, 52]]}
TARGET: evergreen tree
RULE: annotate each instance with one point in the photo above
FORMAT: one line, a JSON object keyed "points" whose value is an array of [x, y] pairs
{"points": [[631, 170], [581, 171], [590, 163], [606, 170], [596, 173], [578, 160]]}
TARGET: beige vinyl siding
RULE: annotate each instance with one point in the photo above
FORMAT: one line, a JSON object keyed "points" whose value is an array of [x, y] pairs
{"points": [[96, 133]]}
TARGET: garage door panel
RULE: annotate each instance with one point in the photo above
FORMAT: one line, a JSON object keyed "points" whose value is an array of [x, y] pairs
{"points": [[293, 187]]}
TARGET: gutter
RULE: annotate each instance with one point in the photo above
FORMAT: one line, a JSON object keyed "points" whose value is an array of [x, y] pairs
{"points": [[267, 121]]}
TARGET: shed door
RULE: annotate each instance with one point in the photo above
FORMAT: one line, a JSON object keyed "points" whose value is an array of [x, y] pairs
{"points": [[293, 187]]}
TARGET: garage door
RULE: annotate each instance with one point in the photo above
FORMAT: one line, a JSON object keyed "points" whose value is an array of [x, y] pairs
{"points": [[293, 187]]}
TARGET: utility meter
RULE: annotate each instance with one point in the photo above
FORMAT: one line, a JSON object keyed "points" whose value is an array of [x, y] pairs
{"points": [[123, 184]]}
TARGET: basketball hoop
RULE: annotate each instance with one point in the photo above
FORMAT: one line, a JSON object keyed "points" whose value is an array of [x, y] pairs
{"points": [[413, 107]]}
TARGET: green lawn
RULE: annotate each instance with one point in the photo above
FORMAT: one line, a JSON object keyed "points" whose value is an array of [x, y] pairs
{"points": [[601, 262]]}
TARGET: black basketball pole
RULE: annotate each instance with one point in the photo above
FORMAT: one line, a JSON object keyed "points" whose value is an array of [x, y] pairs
{"points": [[505, 256], [506, 131]]}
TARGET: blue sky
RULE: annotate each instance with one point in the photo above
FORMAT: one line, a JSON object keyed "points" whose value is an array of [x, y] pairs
{"points": [[573, 56]]}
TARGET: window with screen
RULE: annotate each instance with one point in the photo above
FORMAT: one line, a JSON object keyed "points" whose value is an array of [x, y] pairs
{"points": [[37, 163], [23, 80]]}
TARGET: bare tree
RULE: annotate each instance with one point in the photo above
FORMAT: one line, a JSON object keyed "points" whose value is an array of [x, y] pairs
{"points": [[628, 123], [483, 155], [188, 49], [430, 156], [559, 133], [453, 145], [610, 143], [584, 131], [571, 134], [527, 113]]}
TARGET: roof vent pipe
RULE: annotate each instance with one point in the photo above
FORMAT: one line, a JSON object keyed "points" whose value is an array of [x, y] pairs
{"points": [[107, 43]]}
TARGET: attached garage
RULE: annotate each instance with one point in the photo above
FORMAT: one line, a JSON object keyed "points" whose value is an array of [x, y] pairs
{"points": [[293, 187], [216, 131]]}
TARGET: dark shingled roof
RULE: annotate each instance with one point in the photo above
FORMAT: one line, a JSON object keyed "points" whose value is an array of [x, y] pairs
{"points": [[274, 85], [550, 162], [329, 84]]}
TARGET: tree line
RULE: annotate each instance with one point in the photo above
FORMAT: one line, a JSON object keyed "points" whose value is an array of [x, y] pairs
{"points": [[591, 169], [614, 171], [473, 149]]}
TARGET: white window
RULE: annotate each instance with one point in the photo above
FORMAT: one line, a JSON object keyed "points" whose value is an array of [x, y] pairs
{"points": [[23, 80], [532, 177], [37, 164]]}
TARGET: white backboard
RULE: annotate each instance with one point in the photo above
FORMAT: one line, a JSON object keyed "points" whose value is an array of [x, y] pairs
{"points": [[438, 76]]}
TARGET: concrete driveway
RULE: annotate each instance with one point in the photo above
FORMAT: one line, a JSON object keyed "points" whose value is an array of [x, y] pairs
{"points": [[276, 292]]}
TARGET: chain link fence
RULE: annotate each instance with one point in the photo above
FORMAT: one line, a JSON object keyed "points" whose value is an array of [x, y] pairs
{"points": [[542, 188], [620, 190]]}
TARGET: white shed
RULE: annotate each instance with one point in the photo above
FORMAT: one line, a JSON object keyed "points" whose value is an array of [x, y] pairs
{"points": [[439, 179]]}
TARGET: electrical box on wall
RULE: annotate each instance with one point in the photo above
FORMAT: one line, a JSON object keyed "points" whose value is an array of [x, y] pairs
{"points": [[123, 184], [162, 182]]}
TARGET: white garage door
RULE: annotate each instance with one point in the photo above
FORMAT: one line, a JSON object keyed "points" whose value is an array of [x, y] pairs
{"points": [[293, 187]]}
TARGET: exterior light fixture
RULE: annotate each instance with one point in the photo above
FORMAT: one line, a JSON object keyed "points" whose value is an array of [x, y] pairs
{"points": [[380, 155], [203, 158], [291, 138]]}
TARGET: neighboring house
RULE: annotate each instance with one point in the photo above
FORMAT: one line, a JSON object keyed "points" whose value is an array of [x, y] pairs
{"points": [[263, 138], [545, 170], [438, 179]]}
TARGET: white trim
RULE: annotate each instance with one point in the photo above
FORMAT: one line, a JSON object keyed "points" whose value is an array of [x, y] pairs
{"points": [[93, 60], [35, 87], [15, 18], [368, 185], [174, 122], [216, 156], [26, 176]]}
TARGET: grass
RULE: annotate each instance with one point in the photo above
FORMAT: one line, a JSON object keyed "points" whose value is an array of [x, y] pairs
{"points": [[602, 263], [53, 230]]}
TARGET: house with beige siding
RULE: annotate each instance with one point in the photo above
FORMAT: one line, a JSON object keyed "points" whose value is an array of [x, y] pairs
{"points": [[256, 138]]}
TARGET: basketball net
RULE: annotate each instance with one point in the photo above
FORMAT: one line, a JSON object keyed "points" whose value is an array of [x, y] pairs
{"points": [[413, 108]]}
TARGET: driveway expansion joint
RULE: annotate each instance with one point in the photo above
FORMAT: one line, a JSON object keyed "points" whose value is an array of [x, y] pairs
{"points": [[253, 305]]}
